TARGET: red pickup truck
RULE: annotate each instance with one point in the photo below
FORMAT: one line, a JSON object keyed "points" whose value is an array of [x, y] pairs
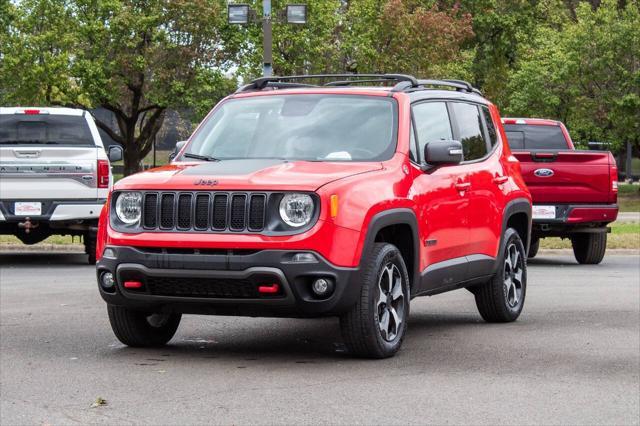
{"points": [[574, 192]]}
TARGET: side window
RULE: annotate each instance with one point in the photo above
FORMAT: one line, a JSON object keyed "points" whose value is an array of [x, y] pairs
{"points": [[491, 129], [470, 130], [432, 123], [412, 145]]}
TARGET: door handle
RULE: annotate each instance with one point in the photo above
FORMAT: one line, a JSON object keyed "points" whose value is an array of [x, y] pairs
{"points": [[463, 186], [499, 180]]}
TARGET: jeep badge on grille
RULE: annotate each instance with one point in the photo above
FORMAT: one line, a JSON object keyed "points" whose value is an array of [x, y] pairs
{"points": [[205, 182]]}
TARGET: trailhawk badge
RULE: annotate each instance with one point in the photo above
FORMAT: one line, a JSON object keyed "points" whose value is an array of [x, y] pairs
{"points": [[543, 172], [205, 182]]}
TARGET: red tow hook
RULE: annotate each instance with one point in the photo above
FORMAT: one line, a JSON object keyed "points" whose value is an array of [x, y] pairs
{"points": [[133, 284], [269, 289]]}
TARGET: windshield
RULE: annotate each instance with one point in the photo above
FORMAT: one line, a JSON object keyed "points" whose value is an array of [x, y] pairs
{"points": [[528, 137], [299, 127], [19, 129]]}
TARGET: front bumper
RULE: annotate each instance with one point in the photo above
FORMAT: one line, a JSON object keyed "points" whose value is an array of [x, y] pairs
{"points": [[223, 282]]}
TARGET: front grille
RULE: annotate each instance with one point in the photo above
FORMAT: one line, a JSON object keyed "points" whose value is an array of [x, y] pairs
{"points": [[204, 211], [202, 287]]}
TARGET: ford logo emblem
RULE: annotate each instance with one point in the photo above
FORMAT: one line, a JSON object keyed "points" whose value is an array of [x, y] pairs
{"points": [[543, 172]]}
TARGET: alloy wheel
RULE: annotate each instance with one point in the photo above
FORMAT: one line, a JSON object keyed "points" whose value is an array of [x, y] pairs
{"points": [[513, 270], [390, 302]]}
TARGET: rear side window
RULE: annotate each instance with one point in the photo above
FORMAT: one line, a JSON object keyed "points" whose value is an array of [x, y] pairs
{"points": [[491, 129], [470, 131], [528, 137], [18, 129], [432, 123]]}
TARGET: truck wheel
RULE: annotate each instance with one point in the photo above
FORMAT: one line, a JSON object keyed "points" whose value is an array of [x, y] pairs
{"points": [[142, 329], [90, 246], [589, 249], [376, 325], [502, 298], [533, 248]]}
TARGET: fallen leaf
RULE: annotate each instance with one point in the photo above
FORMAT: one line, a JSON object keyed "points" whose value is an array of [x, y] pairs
{"points": [[99, 402]]}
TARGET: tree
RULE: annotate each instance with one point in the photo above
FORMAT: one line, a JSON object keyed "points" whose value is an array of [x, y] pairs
{"points": [[587, 74], [134, 58], [420, 38]]}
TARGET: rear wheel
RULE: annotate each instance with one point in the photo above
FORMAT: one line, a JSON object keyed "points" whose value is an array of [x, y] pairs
{"points": [[142, 329], [533, 248], [589, 248], [90, 246], [376, 325], [502, 298]]}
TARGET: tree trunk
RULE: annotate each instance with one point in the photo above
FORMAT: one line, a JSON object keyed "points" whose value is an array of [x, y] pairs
{"points": [[132, 158]]}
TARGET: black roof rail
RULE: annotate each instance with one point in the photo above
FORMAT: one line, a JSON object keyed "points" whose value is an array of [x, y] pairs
{"points": [[458, 85], [291, 81]]}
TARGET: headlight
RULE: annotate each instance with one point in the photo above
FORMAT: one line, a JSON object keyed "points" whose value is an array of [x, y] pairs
{"points": [[296, 210], [129, 207]]}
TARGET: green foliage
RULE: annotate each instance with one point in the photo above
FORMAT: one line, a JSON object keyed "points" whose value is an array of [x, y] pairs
{"points": [[586, 74], [573, 60]]}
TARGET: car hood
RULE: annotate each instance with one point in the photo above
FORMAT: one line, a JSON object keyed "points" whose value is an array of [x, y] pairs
{"points": [[249, 174]]}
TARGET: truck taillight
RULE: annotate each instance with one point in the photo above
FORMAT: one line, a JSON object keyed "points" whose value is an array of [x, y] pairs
{"points": [[613, 178], [103, 174]]}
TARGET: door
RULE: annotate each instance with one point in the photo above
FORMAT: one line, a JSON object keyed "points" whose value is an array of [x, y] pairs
{"points": [[443, 204], [475, 129]]}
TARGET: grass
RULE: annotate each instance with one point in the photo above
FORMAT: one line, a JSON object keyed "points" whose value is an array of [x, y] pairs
{"points": [[6, 240], [629, 197]]}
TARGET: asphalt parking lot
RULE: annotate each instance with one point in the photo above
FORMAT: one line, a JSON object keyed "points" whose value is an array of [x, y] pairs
{"points": [[572, 358]]}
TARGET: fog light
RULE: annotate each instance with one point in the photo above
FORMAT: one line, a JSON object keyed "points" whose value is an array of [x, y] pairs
{"points": [[304, 258], [107, 280], [109, 253], [322, 287]]}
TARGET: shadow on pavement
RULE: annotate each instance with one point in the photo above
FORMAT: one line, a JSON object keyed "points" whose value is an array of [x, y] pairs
{"points": [[39, 258]]}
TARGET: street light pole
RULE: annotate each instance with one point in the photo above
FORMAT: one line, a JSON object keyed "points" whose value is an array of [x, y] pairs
{"points": [[267, 39], [242, 14]]}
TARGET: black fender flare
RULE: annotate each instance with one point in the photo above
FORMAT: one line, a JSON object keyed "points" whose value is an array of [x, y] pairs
{"points": [[515, 206], [397, 216]]}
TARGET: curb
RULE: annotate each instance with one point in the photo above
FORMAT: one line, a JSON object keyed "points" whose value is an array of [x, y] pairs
{"points": [[559, 252]]}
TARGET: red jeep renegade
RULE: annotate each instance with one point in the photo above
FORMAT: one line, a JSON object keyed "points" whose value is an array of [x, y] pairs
{"points": [[301, 200]]}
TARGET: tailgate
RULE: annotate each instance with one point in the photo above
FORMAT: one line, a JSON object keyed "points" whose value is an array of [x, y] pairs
{"points": [[48, 172], [565, 177]]}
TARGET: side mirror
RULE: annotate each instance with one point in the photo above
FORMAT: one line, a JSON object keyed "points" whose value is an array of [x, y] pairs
{"points": [[114, 153], [443, 152], [176, 150]]}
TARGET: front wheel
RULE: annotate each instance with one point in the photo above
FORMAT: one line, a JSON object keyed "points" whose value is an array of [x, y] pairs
{"points": [[589, 249], [502, 298], [376, 325], [142, 329]]}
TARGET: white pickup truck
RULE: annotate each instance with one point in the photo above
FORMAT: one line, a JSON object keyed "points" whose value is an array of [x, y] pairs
{"points": [[54, 174]]}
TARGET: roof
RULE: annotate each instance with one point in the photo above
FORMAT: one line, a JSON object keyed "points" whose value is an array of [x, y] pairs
{"points": [[531, 121], [361, 84], [43, 110]]}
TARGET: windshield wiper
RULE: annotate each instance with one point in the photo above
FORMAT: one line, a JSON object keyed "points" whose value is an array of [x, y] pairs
{"points": [[200, 157]]}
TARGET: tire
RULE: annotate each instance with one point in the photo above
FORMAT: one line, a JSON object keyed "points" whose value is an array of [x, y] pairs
{"points": [[502, 298], [384, 299], [533, 248], [589, 249], [90, 247], [142, 329]]}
